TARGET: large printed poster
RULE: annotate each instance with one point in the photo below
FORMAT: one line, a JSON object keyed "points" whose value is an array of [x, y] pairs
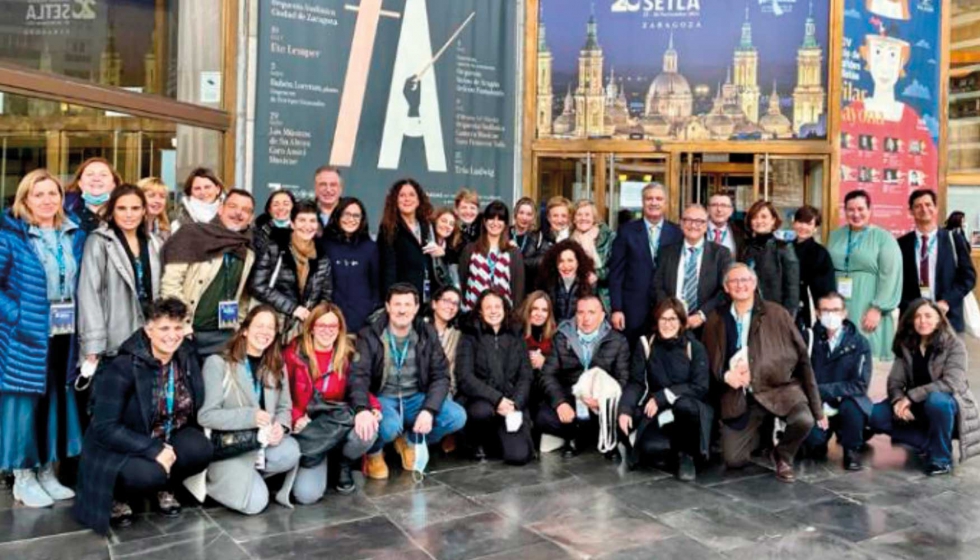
{"points": [[889, 121], [683, 70], [386, 89]]}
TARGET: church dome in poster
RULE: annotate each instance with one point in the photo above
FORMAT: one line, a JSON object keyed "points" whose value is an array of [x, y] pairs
{"points": [[670, 95]]}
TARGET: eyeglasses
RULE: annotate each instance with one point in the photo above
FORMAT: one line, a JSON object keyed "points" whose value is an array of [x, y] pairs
{"points": [[319, 327], [350, 216], [694, 222], [669, 320]]}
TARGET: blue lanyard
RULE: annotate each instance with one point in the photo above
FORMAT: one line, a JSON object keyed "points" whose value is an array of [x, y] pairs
{"points": [[140, 290], [256, 380], [850, 247], [59, 256], [739, 328], [398, 356], [171, 390], [493, 260]]}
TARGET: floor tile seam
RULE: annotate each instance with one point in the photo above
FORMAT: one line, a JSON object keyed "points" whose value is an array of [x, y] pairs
{"points": [[408, 536], [163, 546], [304, 530], [413, 488], [52, 536]]}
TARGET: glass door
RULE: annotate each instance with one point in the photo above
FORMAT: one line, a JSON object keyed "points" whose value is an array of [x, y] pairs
{"points": [[702, 175], [790, 181], [627, 175], [571, 175]]}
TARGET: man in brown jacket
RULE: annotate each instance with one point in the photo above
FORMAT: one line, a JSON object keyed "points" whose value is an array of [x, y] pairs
{"points": [[758, 355]]}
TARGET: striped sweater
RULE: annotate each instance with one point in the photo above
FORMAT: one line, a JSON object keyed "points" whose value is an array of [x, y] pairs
{"points": [[479, 272]]}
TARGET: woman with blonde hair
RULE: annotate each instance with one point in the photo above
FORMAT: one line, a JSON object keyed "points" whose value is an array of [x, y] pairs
{"points": [[538, 320], [596, 239], [559, 214], [467, 204], [157, 221], [40, 253], [318, 363]]}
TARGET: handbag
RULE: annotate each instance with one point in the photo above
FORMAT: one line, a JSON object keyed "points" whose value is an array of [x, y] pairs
{"points": [[329, 425], [597, 384], [227, 444], [971, 311]]}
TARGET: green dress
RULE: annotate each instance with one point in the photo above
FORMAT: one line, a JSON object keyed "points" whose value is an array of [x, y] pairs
{"points": [[875, 267]]}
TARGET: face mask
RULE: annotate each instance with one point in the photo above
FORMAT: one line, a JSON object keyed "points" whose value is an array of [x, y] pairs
{"points": [[421, 460], [95, 199], [202, 212], [831, 321], [281, 223]]}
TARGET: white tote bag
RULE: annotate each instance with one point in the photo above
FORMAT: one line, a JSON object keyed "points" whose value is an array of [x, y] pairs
{"points": [[595, 383]]}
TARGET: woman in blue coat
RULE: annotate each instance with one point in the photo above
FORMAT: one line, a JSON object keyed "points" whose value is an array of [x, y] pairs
{"points": [[40, 252], [356, 263]]}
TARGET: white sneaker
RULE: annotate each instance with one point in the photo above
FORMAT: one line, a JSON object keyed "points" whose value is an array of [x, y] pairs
{"points": [[49, 482], [27, 490]]}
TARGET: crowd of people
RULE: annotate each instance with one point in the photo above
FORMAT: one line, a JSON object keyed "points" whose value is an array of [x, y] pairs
{"points": [[235, 355]]}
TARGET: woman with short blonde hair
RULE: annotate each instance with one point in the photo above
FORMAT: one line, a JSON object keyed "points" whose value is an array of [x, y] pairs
{"points": [[157, 221]]}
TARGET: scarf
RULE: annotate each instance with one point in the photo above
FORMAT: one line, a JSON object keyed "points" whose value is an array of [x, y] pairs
{"points": [[196, 243], [303, 251], [201, 212], [587, 241], [588, 342]]}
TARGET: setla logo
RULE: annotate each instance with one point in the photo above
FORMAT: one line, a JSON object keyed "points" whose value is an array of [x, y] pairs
{"points": [[620, 6], [413, 102], [42, 10]]}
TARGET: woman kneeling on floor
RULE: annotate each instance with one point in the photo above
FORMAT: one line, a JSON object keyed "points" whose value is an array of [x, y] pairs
{"points": [[664, 399], [144, 437], [247, 406], [318, 362]]}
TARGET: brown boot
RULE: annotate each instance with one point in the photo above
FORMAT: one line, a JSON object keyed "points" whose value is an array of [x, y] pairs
{"points": [[784, 470], [375, 466], [407, 452], [449, 444]]}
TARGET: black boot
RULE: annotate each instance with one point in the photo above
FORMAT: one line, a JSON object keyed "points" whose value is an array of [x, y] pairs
{"points": [[345, 479], [685, 468], [569, 450], [479, 454], [852, 462]]}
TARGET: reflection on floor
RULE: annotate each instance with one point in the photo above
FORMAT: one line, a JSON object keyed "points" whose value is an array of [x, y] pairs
{"points": [[584, 507]]}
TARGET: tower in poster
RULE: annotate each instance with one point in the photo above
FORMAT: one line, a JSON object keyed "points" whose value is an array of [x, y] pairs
{"points": [[889, 125], [386, 89], [683, 69]]}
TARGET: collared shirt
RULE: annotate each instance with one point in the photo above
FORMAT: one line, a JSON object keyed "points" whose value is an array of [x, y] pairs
{"points": [[834, 341], [727, 239], [743, 324], [932, 248], [682, 265], [653, 236]]}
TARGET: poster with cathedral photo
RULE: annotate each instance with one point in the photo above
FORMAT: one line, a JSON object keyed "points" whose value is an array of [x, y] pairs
{"points": [[683, 70]]}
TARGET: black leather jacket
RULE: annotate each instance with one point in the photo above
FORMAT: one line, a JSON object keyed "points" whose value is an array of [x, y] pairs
{"points": [[274, 280]]}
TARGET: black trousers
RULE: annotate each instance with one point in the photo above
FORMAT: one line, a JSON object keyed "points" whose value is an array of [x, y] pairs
{"points": [[654, 441], [585, 433], [485, 427], [142, 476]]}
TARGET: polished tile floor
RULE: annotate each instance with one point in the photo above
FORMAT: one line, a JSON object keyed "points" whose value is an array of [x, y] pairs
{"points": [[585, 507]]}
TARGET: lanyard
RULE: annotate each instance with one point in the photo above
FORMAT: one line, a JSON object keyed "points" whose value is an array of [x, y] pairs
{"points": [[724, 235], [398, 356], [140, 289], [256, 380], [740, 327], [170, 393], [493, 260], [850, 247], [59, 256]]}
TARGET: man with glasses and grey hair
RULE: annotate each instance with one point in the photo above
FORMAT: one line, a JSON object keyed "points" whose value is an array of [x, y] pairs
{"points": [[759, 357], [721, 229], [693, 271]]}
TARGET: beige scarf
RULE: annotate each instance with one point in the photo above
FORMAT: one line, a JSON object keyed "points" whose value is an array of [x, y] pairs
{"points": [[587, 241], [303, 251]]}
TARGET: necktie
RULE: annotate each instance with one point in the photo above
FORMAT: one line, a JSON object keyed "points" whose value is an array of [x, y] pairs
{"points": [[718, 236], [924, 262], [691, 279], [654, 242]]}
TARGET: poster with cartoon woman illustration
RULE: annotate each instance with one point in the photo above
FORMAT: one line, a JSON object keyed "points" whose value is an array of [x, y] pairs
{"points": [[889, 122]]}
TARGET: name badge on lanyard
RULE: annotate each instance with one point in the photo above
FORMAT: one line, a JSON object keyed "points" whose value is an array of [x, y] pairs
{"points": [[845, 285], [227, 314], [62, 318], [926, 292]]}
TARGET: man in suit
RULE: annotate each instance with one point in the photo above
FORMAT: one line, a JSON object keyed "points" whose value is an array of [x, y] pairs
{"points": [[693, 271], [936, 263], [721, 229], [633, 262]]}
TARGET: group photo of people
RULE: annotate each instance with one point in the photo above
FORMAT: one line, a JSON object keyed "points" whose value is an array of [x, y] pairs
{"points": [[209, 348]]}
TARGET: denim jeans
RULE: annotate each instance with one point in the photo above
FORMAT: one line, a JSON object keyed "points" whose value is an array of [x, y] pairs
{"points": [[848, 425], [395, 420], [931, 431]]}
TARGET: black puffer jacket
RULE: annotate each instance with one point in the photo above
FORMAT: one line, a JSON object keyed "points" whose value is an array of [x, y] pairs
{"points": [[777, 267], [669, 366], [274, 280], [492, 366], [533, 245], [367, 373], [564, 366]]}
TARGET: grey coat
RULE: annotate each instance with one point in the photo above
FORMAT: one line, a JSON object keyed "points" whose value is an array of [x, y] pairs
{"points": [[230, 406], [947, 368], [107, 290]]}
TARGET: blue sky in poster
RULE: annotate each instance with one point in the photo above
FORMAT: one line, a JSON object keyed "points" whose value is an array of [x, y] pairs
{"points": [[704, 53], [919, 87]]}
